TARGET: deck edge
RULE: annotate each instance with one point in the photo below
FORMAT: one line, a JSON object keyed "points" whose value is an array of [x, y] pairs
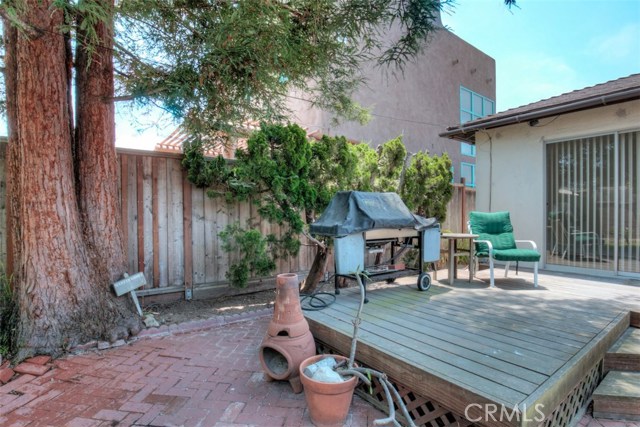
{"points": [[559, 385], [451, 396]]}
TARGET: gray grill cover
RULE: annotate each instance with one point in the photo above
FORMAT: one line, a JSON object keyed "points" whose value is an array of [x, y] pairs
{"points": [[357, 211]]}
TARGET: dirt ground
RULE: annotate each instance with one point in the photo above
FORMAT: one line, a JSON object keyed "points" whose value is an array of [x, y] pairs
{"points": [[183, 311]]}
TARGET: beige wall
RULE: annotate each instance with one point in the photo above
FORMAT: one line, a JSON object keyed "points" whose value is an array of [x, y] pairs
{"points": [[417, 104], [510, 161]]}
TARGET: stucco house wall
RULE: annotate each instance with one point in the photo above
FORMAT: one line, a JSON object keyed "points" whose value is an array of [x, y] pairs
{"points": [[511, 170], [418, 103]]}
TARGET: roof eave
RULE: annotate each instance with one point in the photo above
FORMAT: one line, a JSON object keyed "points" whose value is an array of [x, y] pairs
{"points": [[467, 133]]}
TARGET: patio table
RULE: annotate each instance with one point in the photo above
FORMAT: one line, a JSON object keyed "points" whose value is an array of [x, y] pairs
{"points": [[455, 252]]}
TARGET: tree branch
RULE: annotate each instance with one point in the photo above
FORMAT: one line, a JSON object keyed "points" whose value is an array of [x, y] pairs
{"points": [[314, 241], [31, 30]]}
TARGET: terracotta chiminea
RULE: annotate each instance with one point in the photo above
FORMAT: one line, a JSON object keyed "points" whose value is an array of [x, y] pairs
{"points": [[288, 341]]}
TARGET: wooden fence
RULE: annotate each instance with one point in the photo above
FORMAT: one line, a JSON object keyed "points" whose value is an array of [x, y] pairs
{"points": [[171, 227], [462, 202]]}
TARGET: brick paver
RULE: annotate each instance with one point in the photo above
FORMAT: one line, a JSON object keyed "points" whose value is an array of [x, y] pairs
{"points": [[206, 378]]}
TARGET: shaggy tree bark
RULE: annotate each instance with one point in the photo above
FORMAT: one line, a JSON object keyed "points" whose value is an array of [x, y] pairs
{"points": [[96, 152], [63, 294]]}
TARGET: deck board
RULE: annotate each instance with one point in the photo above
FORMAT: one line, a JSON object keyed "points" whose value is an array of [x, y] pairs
{"points": [[448, 351], [425, 362], [452, 346], [467, 343], [480, 329]]}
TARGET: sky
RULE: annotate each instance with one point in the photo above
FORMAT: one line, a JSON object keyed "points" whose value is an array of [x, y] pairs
{"points": [[544, 48]]}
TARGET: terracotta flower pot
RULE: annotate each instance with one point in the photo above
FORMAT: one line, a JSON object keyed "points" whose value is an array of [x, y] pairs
{"points": [[328, 403]]}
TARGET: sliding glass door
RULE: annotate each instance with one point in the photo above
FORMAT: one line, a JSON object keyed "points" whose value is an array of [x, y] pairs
{"points": [[593, 212], [628, 255]]}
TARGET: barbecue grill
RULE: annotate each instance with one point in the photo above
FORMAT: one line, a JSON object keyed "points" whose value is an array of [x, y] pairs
{"points": [[366, 222]]}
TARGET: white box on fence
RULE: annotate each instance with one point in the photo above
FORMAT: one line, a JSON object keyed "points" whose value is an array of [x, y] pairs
{"points": [[349, 253], [431, 244]]}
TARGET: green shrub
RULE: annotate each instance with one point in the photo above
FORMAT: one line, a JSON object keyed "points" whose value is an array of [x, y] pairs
{"points": [[253, 255], [8, 316]]}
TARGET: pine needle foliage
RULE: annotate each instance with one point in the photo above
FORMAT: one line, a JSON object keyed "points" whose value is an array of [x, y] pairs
{"points": [[427, 186], [216, 63]]}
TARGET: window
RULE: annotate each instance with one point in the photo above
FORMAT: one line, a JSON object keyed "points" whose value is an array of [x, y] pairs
{"points": [[474, 106], [453, 174], [468, 172], [467, 149]]}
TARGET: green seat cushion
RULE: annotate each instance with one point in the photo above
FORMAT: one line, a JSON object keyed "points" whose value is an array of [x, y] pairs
{"points": [[526, 255], [492, 226], [496, 227]]}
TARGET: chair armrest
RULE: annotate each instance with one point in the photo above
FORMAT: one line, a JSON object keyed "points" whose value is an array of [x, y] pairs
{"points": [[531, 242], [486, 242]]}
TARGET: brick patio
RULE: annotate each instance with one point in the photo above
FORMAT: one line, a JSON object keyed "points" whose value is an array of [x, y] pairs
{"points": [[208, 378], [184, 375]]}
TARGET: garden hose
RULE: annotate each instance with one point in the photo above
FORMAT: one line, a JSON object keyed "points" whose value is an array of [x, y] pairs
{"points": [[318, 300]]}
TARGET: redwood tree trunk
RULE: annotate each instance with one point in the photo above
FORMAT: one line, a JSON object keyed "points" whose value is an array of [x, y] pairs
{"points": [[62, 294], [95, 149]]}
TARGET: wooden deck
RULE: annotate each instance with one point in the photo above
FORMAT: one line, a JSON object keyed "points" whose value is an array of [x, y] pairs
{"points": [[514, 345]]}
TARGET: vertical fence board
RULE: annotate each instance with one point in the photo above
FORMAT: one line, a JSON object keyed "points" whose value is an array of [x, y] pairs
{"points": [[124, 202], [223, 212], [140, 212], [226, 259], [175, 231], [210, 239], [162, 224], [132, 214], [156, 216], [199, 237], [282, 265], [244, 214], [149, 220], [187, 242]]}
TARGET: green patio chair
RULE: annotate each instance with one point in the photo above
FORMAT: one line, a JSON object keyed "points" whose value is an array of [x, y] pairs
{"points": [[496, 242]]}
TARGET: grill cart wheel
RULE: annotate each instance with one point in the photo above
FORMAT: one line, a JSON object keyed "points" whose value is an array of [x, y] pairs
{"points": [[424, 281]]}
